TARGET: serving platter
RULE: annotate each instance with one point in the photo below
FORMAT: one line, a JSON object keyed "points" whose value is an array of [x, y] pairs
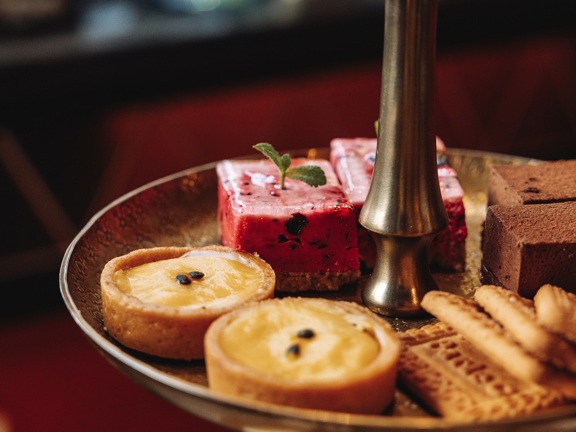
{"points": [[180, 210]]}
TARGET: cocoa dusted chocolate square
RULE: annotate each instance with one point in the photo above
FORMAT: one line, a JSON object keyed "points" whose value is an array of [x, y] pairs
{"points": [[548, 182], [527, 246]]}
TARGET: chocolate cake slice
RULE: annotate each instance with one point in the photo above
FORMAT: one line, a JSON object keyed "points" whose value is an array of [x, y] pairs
{"points": [[527, 246]]}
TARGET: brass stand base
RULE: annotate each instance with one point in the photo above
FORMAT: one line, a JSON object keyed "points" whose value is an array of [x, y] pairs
{"points": [[401, 277]]}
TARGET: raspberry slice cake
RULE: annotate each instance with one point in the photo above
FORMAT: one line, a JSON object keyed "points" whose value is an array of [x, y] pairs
{"points": [[307, 234], [353, 161]]}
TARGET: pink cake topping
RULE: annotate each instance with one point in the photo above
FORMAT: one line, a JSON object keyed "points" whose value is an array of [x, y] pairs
{"points": [[353, 159], [449, 184], [258, 179]]}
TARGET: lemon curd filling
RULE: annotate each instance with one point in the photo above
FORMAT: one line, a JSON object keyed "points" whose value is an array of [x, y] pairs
{"points": [[225, 279], [307, 342]]}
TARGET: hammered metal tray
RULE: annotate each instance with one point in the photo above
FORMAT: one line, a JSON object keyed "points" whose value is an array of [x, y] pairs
{"points": [[180, 210]]}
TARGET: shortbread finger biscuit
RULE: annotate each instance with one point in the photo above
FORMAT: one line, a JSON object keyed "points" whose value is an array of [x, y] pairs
{"points": [[457, 381], [518, 317], [556, 310], [468, 319]]}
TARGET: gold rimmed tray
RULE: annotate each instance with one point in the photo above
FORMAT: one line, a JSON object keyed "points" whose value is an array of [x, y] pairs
{"points": [[180, 210]]}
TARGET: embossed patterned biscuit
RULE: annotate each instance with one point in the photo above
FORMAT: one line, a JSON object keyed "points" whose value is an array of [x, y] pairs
{"points": [[556, 310], [454, 379], [518, 317], [468, 319]]}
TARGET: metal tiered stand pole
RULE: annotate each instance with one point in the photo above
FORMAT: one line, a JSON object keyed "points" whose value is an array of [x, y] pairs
{"points": [[404, 208]]}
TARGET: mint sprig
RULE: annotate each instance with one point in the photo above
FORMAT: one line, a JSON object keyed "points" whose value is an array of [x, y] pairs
{"points": [[312, 175]]}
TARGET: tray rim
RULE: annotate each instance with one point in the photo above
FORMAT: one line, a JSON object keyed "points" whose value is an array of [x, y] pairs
{"points": [[114, 354]]}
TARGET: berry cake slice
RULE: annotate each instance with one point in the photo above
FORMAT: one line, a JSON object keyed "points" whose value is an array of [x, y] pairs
{"points": [[353, 161], [307, 234]]}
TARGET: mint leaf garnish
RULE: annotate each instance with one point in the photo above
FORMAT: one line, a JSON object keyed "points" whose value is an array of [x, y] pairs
{"points": [[312, 175], [270, 152]]}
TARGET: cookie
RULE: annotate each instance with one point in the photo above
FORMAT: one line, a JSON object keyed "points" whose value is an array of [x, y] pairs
{"points": [[518, 317], [556, 310], [467, 318], [451, 377]]}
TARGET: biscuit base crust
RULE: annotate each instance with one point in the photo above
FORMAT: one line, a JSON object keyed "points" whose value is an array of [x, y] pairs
{"points": [[321, 281]]}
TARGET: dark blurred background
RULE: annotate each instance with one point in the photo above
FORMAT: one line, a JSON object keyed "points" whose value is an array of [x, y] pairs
{"points": [[98, 97]]}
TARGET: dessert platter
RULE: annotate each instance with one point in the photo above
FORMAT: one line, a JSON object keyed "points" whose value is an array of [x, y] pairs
{"points": [[181, 211]]}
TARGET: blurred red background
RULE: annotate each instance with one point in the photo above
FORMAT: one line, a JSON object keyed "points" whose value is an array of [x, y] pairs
{"points": [[516, 97]]}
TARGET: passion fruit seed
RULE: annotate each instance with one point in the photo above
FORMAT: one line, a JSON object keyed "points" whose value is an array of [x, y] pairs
{"points": [[293, 350], [196, 274], [183, 279], [305, 334]]}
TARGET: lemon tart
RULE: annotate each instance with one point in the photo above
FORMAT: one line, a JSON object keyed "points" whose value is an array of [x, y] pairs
{"points": [[304, 352], [160, 301]]}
